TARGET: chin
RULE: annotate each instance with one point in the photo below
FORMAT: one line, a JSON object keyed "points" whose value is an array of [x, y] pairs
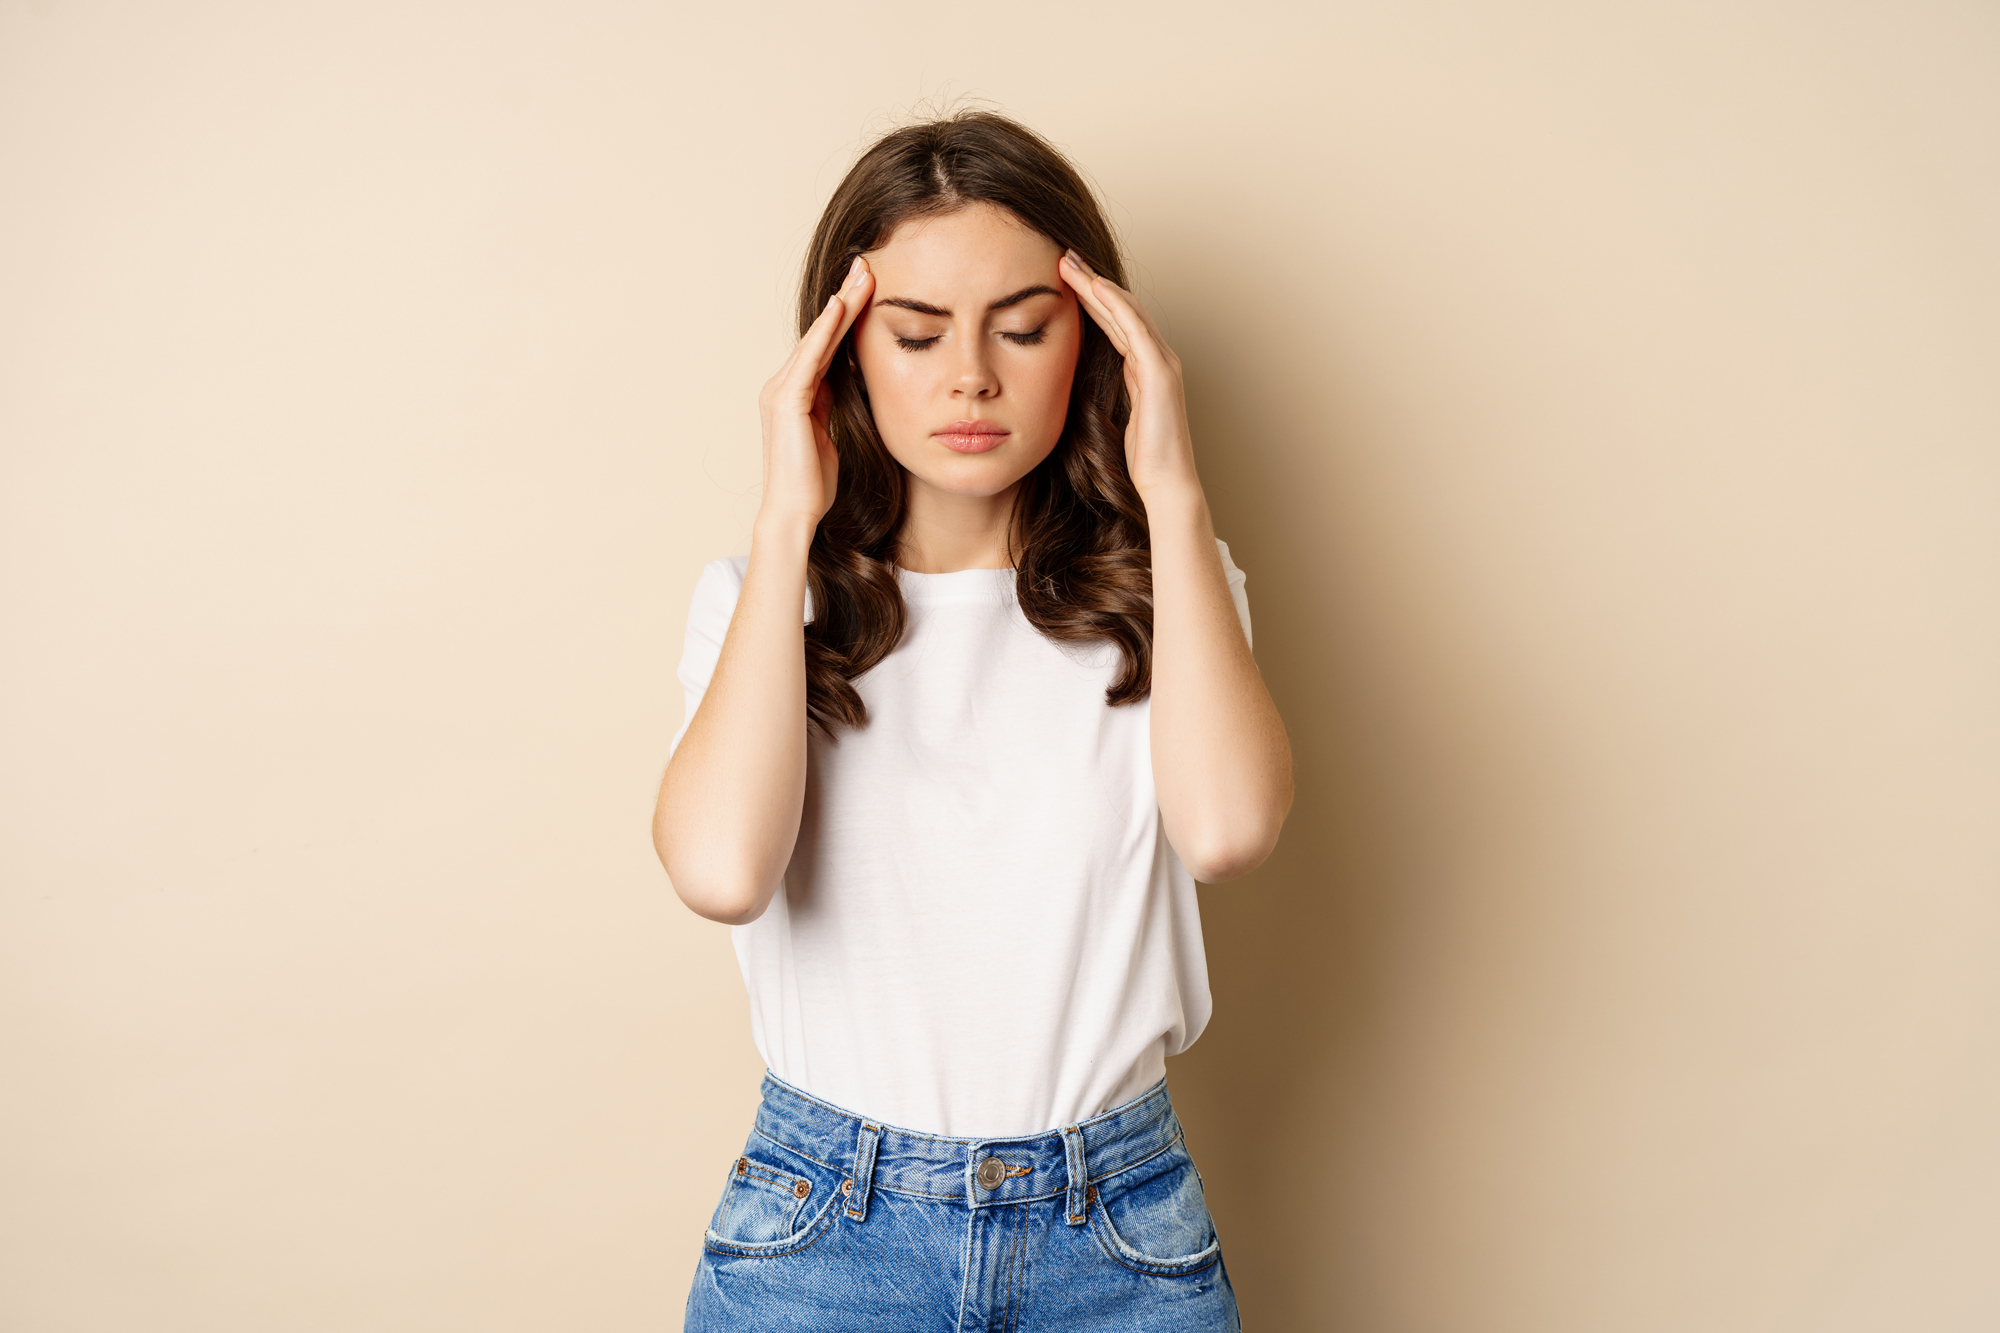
{"points": [[979, 475], [974, 481]]}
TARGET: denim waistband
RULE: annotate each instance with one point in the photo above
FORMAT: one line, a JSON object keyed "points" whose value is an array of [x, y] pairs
{"points": [[1059, 1162]]}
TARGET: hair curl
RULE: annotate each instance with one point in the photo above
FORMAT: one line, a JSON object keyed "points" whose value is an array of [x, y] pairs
{"points": [[1083, 572]]}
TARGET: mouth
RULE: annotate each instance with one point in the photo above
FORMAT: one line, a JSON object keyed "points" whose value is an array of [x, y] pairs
{"points": [[972, 437]]}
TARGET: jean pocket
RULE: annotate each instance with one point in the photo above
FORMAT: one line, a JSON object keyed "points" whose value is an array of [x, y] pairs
{"points": [[761, 1203], [1154, 1218]]}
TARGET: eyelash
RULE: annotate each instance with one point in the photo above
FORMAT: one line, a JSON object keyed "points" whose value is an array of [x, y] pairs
{"points": [[1018, 339]]}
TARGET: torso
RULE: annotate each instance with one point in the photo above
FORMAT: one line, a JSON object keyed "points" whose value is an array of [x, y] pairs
{"points": [[983, 931]]}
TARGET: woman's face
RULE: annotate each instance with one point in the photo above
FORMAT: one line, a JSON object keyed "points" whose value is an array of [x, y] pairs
{"points": [[968, 349]]}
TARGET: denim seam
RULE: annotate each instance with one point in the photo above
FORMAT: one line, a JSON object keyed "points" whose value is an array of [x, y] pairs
{"points": [[758, 1169], [965, 1268], [1076, 1167], [922, 1194], [931, 1194], [1120, 1170], [1137, 1263], [771, 1176], [863, 1179], [734, 1253], [779, 1143], [821, 1224], [1015, 1286]]}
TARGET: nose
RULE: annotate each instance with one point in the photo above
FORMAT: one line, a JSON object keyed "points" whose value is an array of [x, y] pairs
{"points": [[974, 371]]}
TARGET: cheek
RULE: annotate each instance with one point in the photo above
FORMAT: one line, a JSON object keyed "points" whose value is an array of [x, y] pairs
{"points": [[1048, 384], [897, 387]]}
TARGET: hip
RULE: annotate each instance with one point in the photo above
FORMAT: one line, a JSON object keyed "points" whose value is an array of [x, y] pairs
{"points": [[831, 1220]]}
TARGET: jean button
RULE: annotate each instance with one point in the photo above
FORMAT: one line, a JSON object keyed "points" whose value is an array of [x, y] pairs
{"points": [[990, 1173]]}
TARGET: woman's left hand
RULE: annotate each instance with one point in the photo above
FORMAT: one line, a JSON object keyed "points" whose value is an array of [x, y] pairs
{"points": [[1159, 452], [1221, 762]]}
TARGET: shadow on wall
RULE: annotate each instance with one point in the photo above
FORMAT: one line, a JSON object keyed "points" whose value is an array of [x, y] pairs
{"points": [[1299, 953]]}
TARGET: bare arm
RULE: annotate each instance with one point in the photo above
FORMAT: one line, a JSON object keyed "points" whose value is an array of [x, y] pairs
{"points": [[729, 806], [1221, 760]]}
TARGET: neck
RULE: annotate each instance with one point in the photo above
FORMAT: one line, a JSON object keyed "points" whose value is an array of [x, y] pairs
{"points": [[944, 533]]}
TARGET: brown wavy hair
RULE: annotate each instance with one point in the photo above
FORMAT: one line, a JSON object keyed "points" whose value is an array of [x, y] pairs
{"points": [[1083, 569]]}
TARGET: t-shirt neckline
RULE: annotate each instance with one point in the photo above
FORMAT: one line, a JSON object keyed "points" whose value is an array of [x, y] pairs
{"points": [[957, 584]]}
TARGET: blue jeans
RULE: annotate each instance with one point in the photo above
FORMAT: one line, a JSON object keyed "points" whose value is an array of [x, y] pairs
{"points": [[832, 1221]]}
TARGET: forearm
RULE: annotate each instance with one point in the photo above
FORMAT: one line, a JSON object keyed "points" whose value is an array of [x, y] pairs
{"points": [[1221, 762], [729, 808]]}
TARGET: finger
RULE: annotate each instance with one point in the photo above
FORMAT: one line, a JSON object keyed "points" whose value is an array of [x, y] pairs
{"points": [[1085, 283], [793, 384], [1132, 317], [814, 349], [853, 299], [1140, 332]]}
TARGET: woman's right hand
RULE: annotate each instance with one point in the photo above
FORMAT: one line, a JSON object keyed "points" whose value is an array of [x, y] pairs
{"points": [[730, 804], [801, 468]]}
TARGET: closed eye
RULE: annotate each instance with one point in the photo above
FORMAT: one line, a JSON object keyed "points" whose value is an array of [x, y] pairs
{"points": [[1028, 339]]}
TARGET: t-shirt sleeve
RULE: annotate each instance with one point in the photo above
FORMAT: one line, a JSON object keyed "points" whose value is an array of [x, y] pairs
{"points": [[1237, 578], [709, 610]]}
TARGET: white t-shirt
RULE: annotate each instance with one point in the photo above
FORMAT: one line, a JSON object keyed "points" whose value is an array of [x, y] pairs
{"points": [[983, 931]]}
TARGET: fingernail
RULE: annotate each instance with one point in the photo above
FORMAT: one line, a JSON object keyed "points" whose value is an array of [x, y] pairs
{"points": [[855, 270], [1077, 260]]}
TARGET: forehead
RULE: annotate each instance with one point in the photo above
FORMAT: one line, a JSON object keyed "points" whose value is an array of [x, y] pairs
{"points": [[980, 249]]}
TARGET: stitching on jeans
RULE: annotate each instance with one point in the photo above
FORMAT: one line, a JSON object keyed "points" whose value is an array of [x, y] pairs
{"points": [[1106, 1174], [771, 1174], [780, 1143], [751, 1254], [776, 1143], [1152, 1270], [822, 1223], [864, 1154], [1016, 1288], [1076, 1159], [1178, 1136], [745, 1170], [965, 1267]]}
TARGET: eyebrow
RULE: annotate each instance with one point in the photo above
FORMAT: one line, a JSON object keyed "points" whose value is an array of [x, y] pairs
{"points": [[926, 308]]}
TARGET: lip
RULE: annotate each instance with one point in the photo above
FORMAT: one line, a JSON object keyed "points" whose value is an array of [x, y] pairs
{"points": [[972, 437]]}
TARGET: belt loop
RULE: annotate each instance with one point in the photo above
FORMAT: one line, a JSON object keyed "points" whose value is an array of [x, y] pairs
{"points": [[864, 1172], [1079, 1175]]}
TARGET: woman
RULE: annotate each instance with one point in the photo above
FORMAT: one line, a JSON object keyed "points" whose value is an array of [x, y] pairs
{"points": [[956, 810]]}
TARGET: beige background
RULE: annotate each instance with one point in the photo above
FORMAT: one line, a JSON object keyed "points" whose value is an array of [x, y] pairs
{"points": [[1601, 398]]}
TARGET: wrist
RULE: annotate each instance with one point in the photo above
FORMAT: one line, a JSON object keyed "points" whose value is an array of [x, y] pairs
{"points": [[783, 533], [1178, 499]]}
